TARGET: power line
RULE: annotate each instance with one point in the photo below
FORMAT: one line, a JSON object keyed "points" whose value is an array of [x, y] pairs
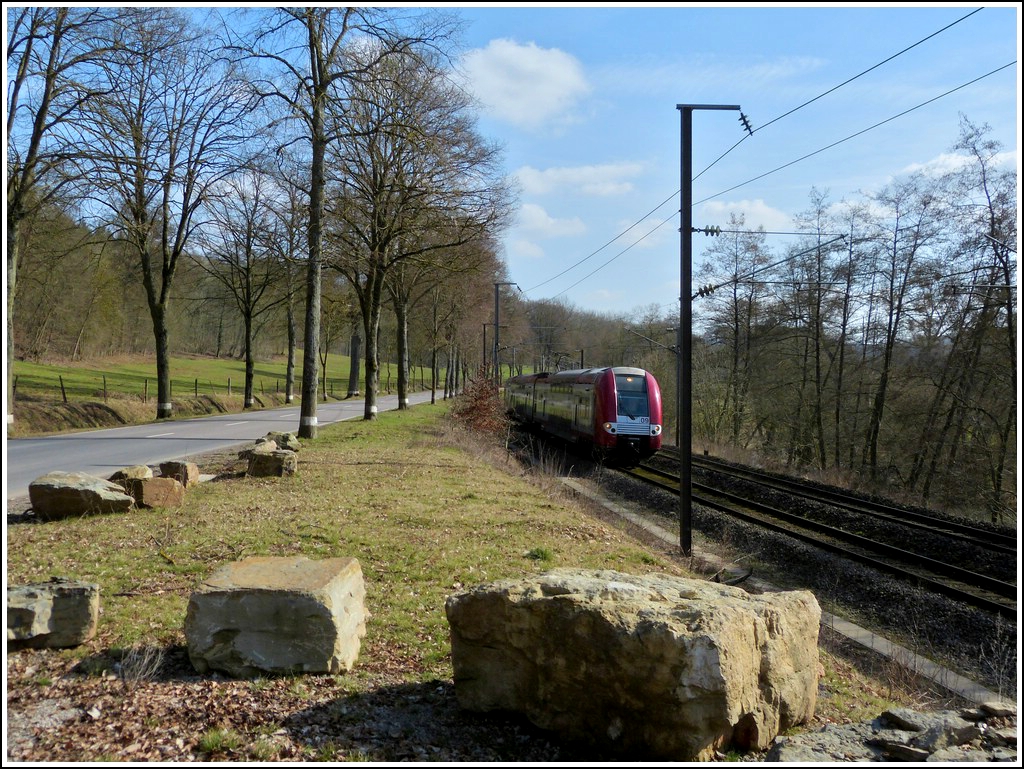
{"points": [[602, 248], [623, 251], [869, 69], [834, 89], [768, 173], [750, 133], [855, 135]]}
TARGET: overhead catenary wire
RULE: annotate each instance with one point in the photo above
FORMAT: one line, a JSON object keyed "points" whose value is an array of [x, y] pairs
{"points": [[623, 251], [767, 173], [751, 132], [761, 176], [602, 248], [858, 133]]}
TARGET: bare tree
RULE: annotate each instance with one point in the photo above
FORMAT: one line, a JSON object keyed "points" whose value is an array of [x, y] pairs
{"points": [[237, 250], [290, 212], [161, 137], [973, 409], [736, 312], [414, 182], [309, 51], [50, 54], [913, 215]]}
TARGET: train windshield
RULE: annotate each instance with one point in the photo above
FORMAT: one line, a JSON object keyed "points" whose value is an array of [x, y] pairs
{"points": [[632, 390]]}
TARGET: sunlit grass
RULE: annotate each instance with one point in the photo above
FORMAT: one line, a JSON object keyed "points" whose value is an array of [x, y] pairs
{"points": [[190, 377], [423, 516]]}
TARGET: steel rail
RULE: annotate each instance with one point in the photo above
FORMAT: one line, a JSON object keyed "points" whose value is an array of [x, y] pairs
{"points": [[671, 483], [981, 537]]}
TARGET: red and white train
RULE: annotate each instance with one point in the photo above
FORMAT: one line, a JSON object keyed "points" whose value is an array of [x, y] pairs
{"points": [[615, 412]]}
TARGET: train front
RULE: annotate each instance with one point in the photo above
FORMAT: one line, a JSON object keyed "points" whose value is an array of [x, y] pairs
{"points": [[631, 418]]}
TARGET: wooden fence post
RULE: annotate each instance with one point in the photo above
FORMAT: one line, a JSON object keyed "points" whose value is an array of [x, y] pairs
{"points": [[63, 394]]}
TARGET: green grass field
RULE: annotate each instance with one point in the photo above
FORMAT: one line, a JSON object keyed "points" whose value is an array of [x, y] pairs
{"points": [[190, 377], [426, 507]]}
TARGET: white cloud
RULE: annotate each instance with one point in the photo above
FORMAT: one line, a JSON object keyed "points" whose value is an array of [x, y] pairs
{"points": [[525, 85], [650, 233], [597, 180], [707, 74], [534, 219], [756, 214], [525, 249], [949, 162]]}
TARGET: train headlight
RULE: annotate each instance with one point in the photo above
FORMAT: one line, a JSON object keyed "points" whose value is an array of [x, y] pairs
{"points": [[609, 427], [655, 429]]}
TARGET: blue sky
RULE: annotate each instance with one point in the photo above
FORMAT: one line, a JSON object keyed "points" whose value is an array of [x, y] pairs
{"points": [[584, 99]]}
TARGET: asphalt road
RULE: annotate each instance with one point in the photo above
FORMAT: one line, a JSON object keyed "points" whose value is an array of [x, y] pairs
{"points": [[103, 452]]}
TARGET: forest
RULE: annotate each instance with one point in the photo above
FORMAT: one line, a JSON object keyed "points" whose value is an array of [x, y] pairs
{"points": [[312, 181]]}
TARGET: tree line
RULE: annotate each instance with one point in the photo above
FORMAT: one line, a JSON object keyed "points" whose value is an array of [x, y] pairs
{"points": [[308, 181], [883, 345], [271, 160]]}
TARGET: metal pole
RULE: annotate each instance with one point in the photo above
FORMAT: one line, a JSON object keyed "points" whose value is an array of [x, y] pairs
{"points": [[497, 321], [497, 326], [683, 390], [684, 372]]}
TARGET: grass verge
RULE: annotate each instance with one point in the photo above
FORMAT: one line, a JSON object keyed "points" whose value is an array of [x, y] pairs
{"points": [[425, 507]]}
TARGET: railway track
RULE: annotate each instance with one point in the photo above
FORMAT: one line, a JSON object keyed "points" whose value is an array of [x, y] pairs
{"points": [[989, 539], [922, 552]]}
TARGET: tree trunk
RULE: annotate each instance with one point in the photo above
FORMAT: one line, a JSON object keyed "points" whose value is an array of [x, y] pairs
{"points": [[164, 407], [314, 273], [289, 375], [402, 334], [371, 330], [250, 365], [13, 233], [355, 351]]}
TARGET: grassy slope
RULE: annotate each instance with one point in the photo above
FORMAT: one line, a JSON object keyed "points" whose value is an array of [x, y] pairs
{"points": [[422, 516], [52, 398], [425, 508], [130, 377]]}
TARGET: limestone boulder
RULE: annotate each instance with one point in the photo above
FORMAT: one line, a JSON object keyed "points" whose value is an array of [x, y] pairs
{"points": [[261, 446], [55, 614], [278, 615], [185, 473], [155, 492], [61, 495], [135, 471], [278, 463], [650, 667], [283, 440]]}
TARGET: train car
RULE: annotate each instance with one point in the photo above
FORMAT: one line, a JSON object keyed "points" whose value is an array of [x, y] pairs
{"points": [[614, 412]]}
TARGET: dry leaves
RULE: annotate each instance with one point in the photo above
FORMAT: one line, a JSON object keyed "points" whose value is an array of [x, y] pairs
{"points": [[63, 710]]}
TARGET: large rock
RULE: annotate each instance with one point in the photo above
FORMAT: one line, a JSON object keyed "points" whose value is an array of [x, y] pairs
{"points": [[278, 615], [135, 471], [185, 473], [283, 440], [654, 667], [277, 463], [62, 495], [261, 446], [55, 614], [155, 492]]}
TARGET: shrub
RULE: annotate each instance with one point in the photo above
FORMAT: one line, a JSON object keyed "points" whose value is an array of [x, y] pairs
{"points": [[479, 407]]}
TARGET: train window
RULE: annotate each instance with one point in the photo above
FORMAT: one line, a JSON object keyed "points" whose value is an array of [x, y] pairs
{"points": [[632, 392]]}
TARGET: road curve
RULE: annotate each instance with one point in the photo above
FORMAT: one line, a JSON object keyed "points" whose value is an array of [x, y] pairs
{"points": [[102, 452]]}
